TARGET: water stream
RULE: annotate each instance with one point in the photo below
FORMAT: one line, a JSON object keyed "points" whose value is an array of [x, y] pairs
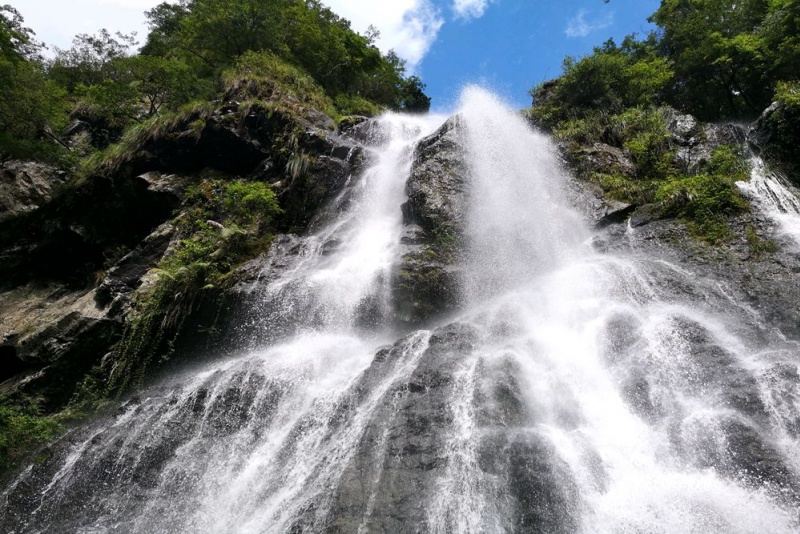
{"points": [[575, 391], [775, 197]]}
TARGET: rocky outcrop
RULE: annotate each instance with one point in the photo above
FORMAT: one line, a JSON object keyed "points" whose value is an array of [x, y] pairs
{"points": [[427, 281], [73, 260], [51, 339], [25, 186], [776, 136], [695, 142]]}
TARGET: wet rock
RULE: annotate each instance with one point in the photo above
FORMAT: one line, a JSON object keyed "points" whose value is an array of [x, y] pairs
{"points": [[762, 130], [543, 495], [754, 458], [695, 142], [427, 281], [742, 452], [127, 274], [436, 187], [684, 129], [402, 453], [305, 200], [595, 206], [645, 215]]}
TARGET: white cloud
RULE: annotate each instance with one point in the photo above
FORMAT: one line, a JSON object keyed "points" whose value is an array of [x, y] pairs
{"points": [[57, 21], [470, 8], [578, 26], [409, 27]]}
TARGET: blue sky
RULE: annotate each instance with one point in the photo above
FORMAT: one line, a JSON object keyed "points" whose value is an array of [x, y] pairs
{"points": [[507, 45], [516, 44]]}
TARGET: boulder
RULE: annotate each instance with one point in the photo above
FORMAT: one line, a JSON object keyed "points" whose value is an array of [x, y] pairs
{"points": [[695, 142]]}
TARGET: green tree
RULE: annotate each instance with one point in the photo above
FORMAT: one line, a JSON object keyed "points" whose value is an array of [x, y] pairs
{"points": [[147, 83], [211, 34], [611, 79], [722, 63], [85, 63], [780, 31], [16, 41], [31, 106]]}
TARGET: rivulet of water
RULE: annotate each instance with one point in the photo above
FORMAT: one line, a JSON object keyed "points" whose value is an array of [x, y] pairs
{"points": [[773, 195], [576, 391]]}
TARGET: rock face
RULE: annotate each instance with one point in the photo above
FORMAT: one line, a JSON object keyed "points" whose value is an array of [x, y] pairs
{"points": [[776, 136], [407, 450], [25, 186], [696, 141], [73, 255], [441, 424], [427, 280]]}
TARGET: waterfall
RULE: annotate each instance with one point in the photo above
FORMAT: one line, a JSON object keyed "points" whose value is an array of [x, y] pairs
{"points": [[774, 197], [572, 391]]}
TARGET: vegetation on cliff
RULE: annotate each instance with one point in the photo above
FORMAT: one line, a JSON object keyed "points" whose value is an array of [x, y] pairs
{"points": [[177, 163], [192, 46], [714, 59]]}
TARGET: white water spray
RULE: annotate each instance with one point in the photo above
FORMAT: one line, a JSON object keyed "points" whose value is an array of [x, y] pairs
{"points": [[777, 199], [613, 376], [576, 392]]}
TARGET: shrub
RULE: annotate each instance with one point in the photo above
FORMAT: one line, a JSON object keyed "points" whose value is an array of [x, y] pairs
{"points": [[264, 76], [706, 200], [246, 202], [21, 427]]}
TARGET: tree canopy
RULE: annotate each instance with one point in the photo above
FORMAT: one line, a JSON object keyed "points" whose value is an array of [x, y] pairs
{"points": [[191, 46], [211, 34], [716, 59]]}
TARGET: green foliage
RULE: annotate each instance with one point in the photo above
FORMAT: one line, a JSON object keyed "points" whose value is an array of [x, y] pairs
{"points": [[713, 58], [705, 200], [727, 161], [200, 262], [86, 63], [16, 41], [612, 79], [266, 77], [246, 202], [22, 426], [643, 133], [412, 95], [788, 93], [32, 108], [728, 55], [355, 105], [138, 87], [212, 34], [185, 121], [640, 133], [758, 245]]}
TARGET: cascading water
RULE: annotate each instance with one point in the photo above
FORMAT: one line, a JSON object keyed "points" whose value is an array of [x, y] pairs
{"points": [[774, 197], [574, 392]]}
